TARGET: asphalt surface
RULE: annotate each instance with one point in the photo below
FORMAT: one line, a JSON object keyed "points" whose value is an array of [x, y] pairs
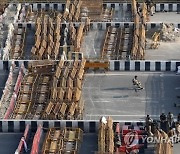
{"points": [[112, 94], [9, 142], [3, 78], [89, 144]]}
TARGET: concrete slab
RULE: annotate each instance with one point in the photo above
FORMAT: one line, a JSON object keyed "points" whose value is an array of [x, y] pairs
{"points": [[113, 94], [92, 44], [166, 17], [166, 51]]}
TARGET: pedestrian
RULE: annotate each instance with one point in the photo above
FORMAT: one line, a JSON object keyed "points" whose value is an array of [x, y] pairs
{"points": [[178, 118], [148, 2], [152, 8], [149, 122], [177, 129], [170, 119], [25, 144], [138, 7], [163, 117]]}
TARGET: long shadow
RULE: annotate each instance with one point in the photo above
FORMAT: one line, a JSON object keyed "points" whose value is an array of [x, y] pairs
{"points": [[125, 96], [123, 88]]}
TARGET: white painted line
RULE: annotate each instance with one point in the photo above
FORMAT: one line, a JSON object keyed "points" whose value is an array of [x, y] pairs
{"points": [[127, 74], [177, 88], [117, 115], [149, 101], [101, 101]]}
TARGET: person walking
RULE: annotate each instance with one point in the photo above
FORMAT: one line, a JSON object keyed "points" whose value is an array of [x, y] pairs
{"points": [[170, 119], [178, 118], [149, 122]]}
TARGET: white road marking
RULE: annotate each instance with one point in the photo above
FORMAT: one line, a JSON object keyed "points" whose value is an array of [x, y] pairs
{"points": [[177, 88], [150, 101], [118, 115], [126, 74], [101, 101]]}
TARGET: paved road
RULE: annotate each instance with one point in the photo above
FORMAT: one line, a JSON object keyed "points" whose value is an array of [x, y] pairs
{"points": [[113, 95], [89, 144], [9, 142]]}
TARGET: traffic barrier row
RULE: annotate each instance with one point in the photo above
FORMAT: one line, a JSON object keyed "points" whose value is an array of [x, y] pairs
{"points": [[36, 141], [7, 97], [15, 93], [88, 126], [19, 79], [144, 65], [5, 65], [102, 25], [25, 138], [170, 7]]}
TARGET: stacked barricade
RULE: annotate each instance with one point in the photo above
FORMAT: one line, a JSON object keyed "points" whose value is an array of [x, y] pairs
{"points": [[66, 101], [34, 92], [139, 36], [18, 41], [67, 140]]}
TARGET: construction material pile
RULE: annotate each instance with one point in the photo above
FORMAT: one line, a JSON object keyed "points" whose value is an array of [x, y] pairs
{"points": [[169, 32], [64, 141]]}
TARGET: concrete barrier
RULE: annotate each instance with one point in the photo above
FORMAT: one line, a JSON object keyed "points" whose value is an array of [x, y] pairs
{"points": [[88, 126], [116, 65]]}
